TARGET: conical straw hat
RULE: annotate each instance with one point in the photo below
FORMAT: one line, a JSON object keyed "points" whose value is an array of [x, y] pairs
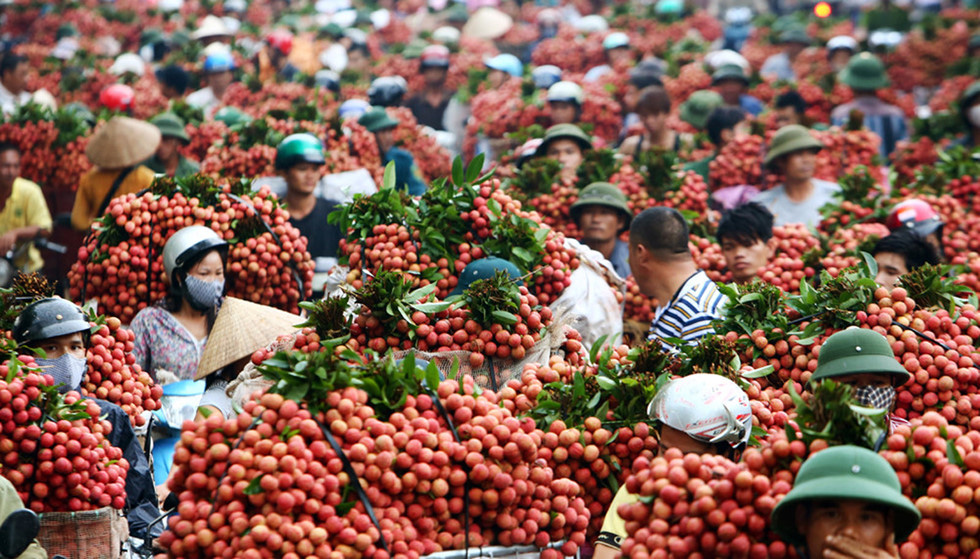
{"points": [[241, 329], [487, 23], [123, 142]]}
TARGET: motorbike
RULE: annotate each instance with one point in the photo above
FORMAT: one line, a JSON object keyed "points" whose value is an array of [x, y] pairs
{"points": [[8, 266], [178, 404], [18, 532]]}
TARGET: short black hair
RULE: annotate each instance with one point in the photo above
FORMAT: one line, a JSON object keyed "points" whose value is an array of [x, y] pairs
{"points": [[916, 251], [653, 100], [361, 47], [642, 78], [10, 146], [792, 98], [663, 231], [175, 77], [720, 119], [10, 61], [747, 224]]}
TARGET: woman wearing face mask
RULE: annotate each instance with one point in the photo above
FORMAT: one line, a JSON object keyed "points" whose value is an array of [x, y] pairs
{"points": [[864, 360], [171, 335]]}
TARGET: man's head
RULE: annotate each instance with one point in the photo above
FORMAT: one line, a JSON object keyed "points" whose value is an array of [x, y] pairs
{"points": [[865, 74], [730, 82], [358, 59], [387, 91], [659, 239], [790, 108], [567, 144], [845, 499], [13, 72], [299, 160], [794, 39], [703, 413], [920, 217], [617, 47], [434, 65], [793, 152], [840, 49], [60, 330], [726, 124], [697, 109], [745, 236], [565, 102], [502, 68], [862, 359], [219, 70], [382, 126], [653, 108], [9, 165], [645, 74], [601, 212], [172, 135], [900, 253], [173, 81]]}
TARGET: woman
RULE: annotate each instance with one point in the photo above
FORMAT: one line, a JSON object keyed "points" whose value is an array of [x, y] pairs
{"points": [[170, 336], [653, 108], [116, 151]]}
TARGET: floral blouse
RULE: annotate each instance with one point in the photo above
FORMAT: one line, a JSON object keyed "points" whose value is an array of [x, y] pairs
{"points": [[162, 342]]}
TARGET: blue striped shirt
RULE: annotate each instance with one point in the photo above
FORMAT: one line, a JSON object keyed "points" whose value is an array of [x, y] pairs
{"points": [[690, 313], [885, 120]]}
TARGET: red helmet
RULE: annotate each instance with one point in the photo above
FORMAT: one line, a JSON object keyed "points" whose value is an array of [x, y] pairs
{"points": [[280, 39], [916, 215], [117, 97], [435, 56]]}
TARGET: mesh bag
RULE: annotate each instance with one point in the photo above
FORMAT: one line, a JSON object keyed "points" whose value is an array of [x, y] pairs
{"points": [[93, 534]]}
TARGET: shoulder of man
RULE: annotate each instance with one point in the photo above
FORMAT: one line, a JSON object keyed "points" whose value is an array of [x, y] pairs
{"points": [[26, 187]]}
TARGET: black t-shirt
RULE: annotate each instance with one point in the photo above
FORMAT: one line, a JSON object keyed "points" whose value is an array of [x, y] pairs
{"points": [[426, 114], [323, 237]]}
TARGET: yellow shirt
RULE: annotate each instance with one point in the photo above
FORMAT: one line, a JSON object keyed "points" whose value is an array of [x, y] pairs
{"points": [[94, 186], [25, 208], [613, 530]]}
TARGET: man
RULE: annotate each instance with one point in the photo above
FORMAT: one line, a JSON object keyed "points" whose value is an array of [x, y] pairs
{"points": [[864, 360], [602, 214], [299, 161], [407, 175], [661, 261], [745, 236], [619, 53], [865, 74], [653, 110], [793, 153], [700, 413], [24, 214], [502, 68], [846, 502], [840, 49], [699, 106], [900, 253], [567, 144], [219, 70], [789, 108], [13, 82], [387, 91], [429, 105], [646, 74], [723, 125], [731, 83], [59, 329], [273, 61], [565, 102], [168, 160], [921, 218], [780, 65], [173, 82]]}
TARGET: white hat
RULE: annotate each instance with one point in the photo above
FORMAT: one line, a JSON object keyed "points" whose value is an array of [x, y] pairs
{"points": [[331, 6], [232, 24], [592, 24], [488, 23], [446, 35], [334, 57], [842, 42], [344, 18], [726, 57], [65, 49], [212, 26], [44, 98], [380, 18], [109, 46], [128, 63], [170, 5], [215, 48]]}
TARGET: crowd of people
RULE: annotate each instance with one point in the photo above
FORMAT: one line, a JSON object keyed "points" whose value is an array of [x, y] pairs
{"points": [[846, 501]]}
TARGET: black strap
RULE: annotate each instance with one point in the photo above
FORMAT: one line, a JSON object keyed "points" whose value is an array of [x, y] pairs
{"points": [[113, 189], [889, 133]]}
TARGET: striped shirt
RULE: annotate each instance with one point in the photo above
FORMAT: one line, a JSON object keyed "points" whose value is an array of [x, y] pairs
{"points": [[885, 120], [690, 312]]}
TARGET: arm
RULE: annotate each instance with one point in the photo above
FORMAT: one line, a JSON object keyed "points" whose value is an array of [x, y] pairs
{"points": [[629, 145], [81, 212]]}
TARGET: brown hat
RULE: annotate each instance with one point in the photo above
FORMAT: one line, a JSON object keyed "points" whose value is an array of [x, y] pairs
{"points": [[123, 142], [241, 329]]}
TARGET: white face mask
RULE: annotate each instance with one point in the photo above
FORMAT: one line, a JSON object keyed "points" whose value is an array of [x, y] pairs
{"points": [[973, 115]]}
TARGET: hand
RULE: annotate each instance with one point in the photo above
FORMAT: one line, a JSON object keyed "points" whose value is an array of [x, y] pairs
{"points": [[7, 242], [844, 547]]}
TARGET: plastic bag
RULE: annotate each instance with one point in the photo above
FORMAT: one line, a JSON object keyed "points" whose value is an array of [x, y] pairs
{"points": [[591, 300]]}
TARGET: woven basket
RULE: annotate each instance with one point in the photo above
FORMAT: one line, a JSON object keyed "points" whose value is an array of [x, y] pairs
{"points": [[94, 534]]}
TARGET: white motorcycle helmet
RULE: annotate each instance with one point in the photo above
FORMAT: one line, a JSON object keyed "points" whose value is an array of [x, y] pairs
{"points": [[708, 408], [566, 92], [186, 246]]}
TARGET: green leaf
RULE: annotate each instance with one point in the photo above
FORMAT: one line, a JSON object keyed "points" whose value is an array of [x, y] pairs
{"points": [[953, 454], [504, 317], [431, 308], [605, 382], [458, 174], [388, 182], [255, 486], [474, 168], [522, 254], [759, 373]]}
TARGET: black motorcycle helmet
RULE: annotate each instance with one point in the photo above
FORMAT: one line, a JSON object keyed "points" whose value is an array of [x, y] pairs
{"points": [[49, 318], [387, 91]]}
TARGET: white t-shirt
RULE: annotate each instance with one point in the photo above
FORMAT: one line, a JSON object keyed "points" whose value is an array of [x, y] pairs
{"points": [[807, 212], [205, 100]]}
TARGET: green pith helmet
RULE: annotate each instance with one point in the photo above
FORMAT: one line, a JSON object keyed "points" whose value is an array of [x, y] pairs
{"points": [[564, 132], [457, 13], [170, 126], [413, 49], [858, 350], [49, 318], [696, 110], [794, 34], [789, 139], [66, 30], [602, 194], [376, 120], [845, 472], [486, 268], [151, 36], [865, 72], [729, 72], [231, 116], [299, 148]]}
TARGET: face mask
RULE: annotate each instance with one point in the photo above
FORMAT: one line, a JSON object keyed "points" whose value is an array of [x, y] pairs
{"points": [[973, 115], [203, 295], [66, 370], [878, 397]]}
